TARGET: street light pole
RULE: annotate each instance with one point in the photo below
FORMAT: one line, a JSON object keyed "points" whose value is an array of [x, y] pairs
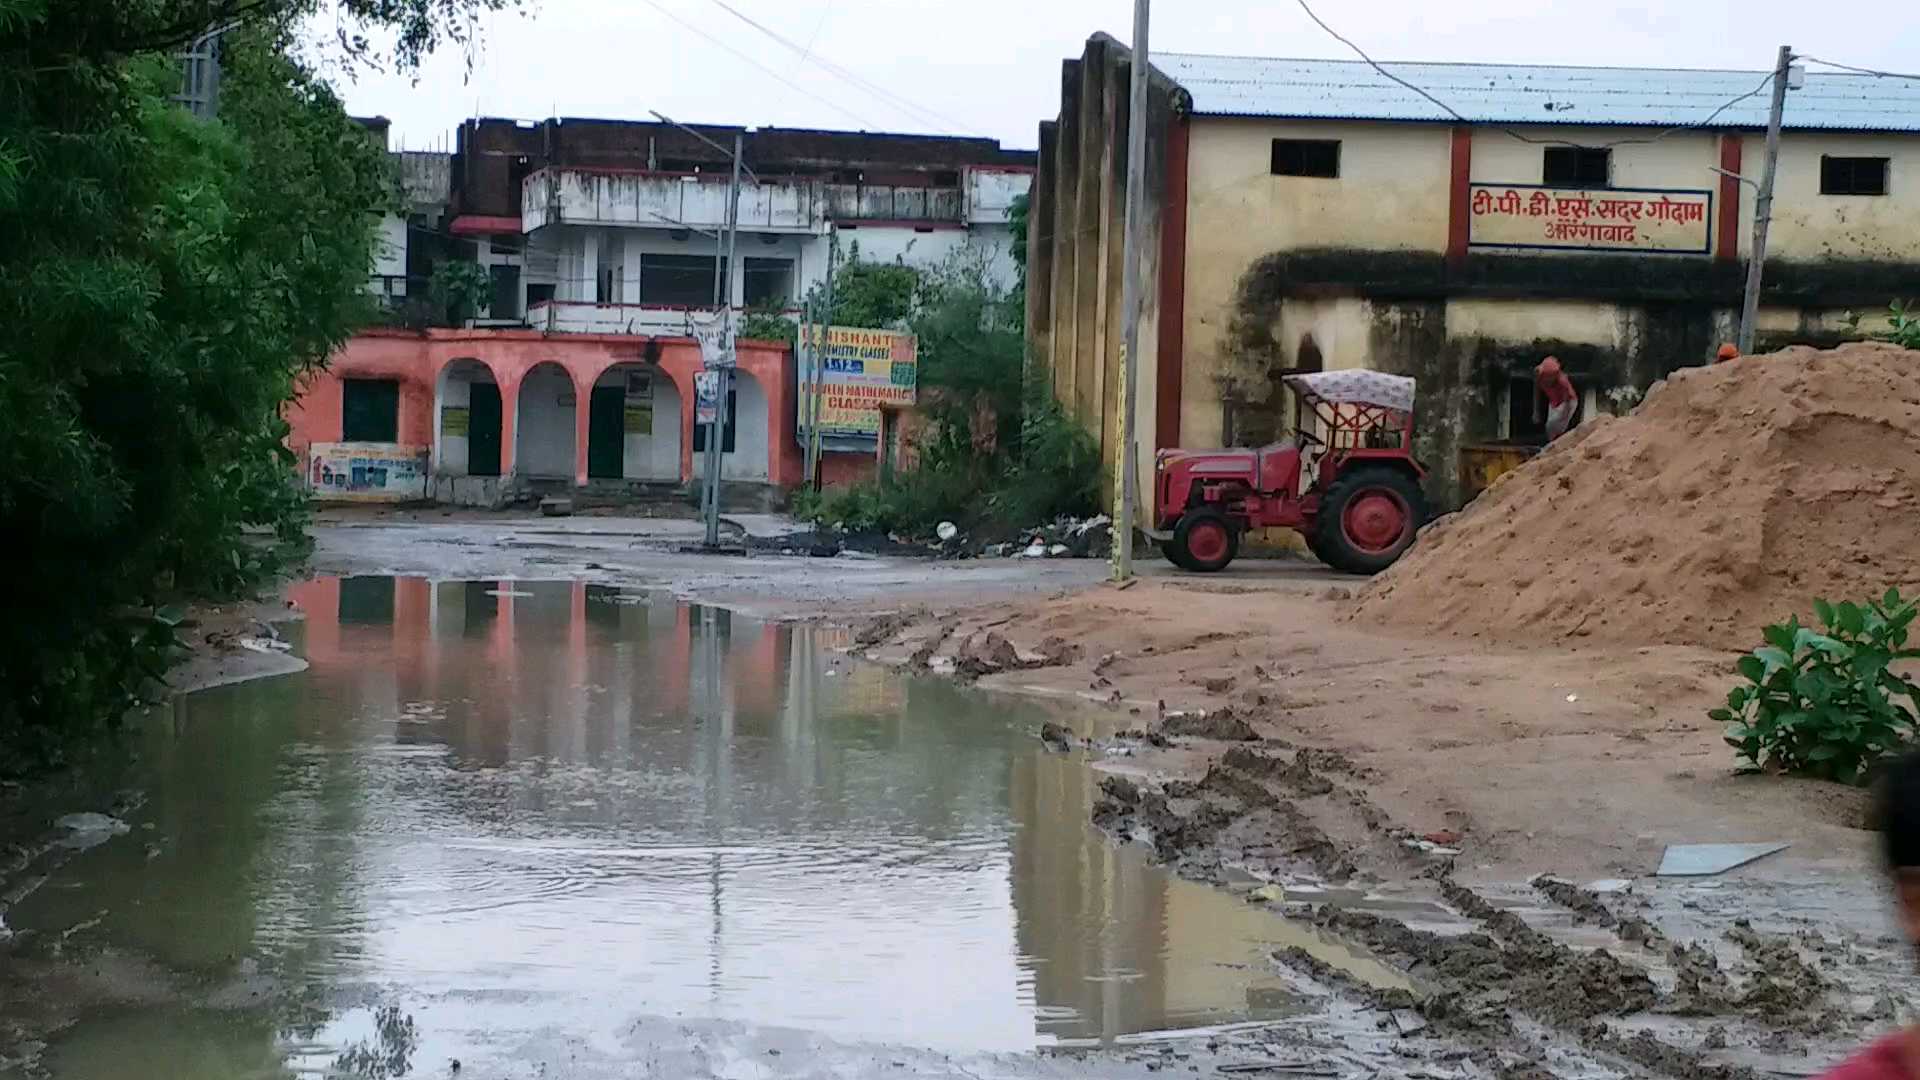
{"points": [[1763, 204], [1126, 472], [717, 434]]}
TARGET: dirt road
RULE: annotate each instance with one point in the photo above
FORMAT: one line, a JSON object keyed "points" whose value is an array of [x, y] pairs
{"points": [[1409, 791]]}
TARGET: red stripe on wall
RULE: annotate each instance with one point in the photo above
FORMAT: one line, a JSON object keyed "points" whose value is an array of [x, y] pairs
{"points": [[1729, 215], [1173, 290], [1459, 203]]}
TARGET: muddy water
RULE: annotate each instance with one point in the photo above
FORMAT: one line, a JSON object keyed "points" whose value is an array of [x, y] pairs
{"points": [[516, 822]]}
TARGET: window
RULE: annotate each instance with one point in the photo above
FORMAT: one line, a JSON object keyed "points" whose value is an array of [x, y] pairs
{"points": [[606, 287], [1576, 167], [1306, 157], [769, 282], [1853, 175], [539, 293], [678, 280], [370, 410], [506, 291]]}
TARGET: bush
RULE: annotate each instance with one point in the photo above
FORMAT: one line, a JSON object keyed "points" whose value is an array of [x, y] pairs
{"points": [[1828, 704]]}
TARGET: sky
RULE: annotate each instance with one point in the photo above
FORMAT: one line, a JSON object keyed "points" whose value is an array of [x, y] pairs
{"points": [[992, 67]]}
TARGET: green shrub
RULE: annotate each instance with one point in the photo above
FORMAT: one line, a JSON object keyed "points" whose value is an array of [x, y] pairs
{"points": [[1827, 704]]}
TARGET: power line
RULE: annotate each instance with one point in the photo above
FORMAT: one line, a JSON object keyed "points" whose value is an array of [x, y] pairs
{"points": [[1860, 70], [921, 113], [1457, 115], [826, 9], [782, 79]]}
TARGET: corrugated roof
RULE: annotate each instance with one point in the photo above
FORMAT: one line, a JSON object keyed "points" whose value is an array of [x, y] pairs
{"points": [[1534, 94]]}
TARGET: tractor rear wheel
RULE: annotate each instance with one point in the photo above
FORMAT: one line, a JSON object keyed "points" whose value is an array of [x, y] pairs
{"points": [[1367, 519], [1174, 554], [1204, 540]]}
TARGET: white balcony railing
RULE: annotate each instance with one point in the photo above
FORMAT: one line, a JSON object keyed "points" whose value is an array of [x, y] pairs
{"points": [[653, 200], [647, 320]]}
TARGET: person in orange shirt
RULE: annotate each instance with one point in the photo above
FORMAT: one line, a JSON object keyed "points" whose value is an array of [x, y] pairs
{"points": [[1563, 403]]}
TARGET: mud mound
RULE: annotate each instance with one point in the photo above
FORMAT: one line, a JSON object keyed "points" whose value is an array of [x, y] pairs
{"points": [[1732, 497]]}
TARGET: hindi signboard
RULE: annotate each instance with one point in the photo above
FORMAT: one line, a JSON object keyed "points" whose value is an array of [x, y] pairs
{"points": [[1591, 219], [367, 472], [861, 371]]}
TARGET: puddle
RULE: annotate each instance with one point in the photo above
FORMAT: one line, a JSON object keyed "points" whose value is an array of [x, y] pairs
{"points": [[509, 814]]}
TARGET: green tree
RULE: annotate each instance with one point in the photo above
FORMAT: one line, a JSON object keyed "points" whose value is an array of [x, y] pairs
{"points": [[165, 282], [462, 290]]}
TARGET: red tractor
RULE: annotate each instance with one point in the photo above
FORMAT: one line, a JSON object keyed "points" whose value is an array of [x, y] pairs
{"points": [[1352, 452]]}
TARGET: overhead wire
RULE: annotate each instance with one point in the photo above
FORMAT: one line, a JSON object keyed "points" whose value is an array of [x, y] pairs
{"points": [[1535, 140], [920, 113], [776, 76], [1860, 70]]}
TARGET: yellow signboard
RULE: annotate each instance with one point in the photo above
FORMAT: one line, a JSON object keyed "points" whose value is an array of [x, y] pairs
{"points": [[1596, 219], [639, 418], [861, 370], [455, 419]]}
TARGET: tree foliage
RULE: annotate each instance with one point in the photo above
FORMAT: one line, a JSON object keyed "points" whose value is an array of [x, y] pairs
{"points": [[164, 282]]}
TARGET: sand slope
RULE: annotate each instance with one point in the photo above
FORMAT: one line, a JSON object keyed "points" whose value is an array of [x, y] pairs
{"points": [[1733, 496]]}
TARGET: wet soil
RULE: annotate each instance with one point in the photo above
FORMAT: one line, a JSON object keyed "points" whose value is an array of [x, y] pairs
{"points": [[1437, 803]]}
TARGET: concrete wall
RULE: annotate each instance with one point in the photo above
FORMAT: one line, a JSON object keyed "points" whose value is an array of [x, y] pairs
{"points": [[1809, 225], [748, 461], [544, 430]]}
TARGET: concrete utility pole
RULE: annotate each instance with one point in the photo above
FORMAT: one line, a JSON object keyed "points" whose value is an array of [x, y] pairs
{"points": [[819, 356], [717, 436], [1126, 472], [1763, 204]]}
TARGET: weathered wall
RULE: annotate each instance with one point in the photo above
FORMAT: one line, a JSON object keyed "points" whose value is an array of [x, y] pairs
{"points": [[1076, 247], [1812, 226]]}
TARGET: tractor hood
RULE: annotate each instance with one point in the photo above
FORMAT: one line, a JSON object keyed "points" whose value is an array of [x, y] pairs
{"points": [[1231, 460]]}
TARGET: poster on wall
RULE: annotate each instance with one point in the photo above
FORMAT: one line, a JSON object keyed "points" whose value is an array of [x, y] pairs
{"points": [[367, 472], [706, 396], [638, 416], [1648, 220], [861, 371], [455, 420]]}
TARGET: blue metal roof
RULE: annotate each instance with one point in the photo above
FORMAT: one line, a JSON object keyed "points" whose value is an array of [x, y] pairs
{"points": [[1534, 94]]}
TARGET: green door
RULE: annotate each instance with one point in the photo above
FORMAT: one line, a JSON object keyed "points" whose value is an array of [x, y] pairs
{"points": [[483, 430], [607, 433]]}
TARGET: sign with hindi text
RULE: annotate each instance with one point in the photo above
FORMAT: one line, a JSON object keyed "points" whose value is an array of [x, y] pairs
{"points": [[861, 370], [1590, 219]]}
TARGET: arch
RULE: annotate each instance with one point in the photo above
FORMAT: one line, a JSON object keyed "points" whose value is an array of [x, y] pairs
{"points": [[749, 418], [543, 439], [639, 437], [467, 419]]}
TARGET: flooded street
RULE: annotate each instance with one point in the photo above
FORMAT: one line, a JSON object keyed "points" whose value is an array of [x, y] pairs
{"points": [[549, 828]]}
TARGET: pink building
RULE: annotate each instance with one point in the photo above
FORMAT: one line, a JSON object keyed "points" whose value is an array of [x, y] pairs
{"points": [[497, 412]]}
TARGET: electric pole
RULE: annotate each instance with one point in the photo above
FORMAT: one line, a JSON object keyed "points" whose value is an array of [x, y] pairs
{"points": [[1763, 204], [717, 435], [1126, 472]]}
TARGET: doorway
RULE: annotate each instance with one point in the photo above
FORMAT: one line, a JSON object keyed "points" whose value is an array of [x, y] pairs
{"points": [[483, 430], [607, 433]]}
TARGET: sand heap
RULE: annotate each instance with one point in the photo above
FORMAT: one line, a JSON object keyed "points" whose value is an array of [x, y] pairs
{"points": [[1732, 497]]}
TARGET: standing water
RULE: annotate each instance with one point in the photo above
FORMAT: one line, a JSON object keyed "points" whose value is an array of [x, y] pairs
{"points": [[520, 822]]}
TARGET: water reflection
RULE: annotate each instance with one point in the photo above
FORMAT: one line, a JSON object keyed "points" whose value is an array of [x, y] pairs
{"points": [[513, 808]]}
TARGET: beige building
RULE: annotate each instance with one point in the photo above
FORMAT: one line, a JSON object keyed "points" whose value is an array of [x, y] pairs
{"points": [[1312, 214]]}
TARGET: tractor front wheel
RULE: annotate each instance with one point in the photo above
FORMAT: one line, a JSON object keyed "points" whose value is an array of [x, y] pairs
{"points": [[1367, 519], [1204, 540]]}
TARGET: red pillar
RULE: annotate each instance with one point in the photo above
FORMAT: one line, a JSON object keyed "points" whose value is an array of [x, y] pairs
{"points": [[1460, 201], [582, 414], [509, 414], [1728, 242]]}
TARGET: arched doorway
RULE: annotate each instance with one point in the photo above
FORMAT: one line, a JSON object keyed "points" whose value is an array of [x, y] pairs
{"points": [[744, 452], [466, 429], [543, 424], [633, 425]]}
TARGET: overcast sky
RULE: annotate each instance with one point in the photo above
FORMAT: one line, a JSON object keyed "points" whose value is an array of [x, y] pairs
{"points": [[991, 67]]}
